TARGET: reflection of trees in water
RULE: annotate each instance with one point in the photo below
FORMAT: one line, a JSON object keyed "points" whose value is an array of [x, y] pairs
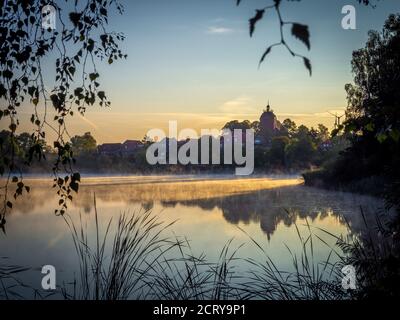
{"points": [[269, 208], [286, 205]]}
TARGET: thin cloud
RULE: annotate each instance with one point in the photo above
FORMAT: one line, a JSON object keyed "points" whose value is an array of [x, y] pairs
{"points": [[326, 114], [240, 105], [219, 30]]}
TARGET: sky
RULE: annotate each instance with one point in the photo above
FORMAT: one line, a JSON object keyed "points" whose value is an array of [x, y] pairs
{"points": [[193, 61]]}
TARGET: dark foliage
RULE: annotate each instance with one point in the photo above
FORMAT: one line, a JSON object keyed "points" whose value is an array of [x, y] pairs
{"points": [[373, 113], [78, 41], [299, 31]]}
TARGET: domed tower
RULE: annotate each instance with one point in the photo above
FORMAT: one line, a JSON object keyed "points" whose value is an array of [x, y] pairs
{"points": [[269, 125]]}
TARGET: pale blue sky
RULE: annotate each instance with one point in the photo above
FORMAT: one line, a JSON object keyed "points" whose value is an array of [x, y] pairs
{"points": [[193, 61]]}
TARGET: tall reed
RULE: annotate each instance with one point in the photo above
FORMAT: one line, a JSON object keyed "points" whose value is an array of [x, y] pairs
{"points": [[137, 243], [10, 284], [187, 277]]}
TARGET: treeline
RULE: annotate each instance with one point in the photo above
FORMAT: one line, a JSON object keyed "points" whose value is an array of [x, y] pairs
{"points": [[29, 152], [290, 149]]}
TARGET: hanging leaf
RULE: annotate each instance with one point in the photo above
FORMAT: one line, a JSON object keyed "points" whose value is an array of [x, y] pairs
{"points": [[103, 11], [74, 186], [264, 55], [101, 95], [307, 63], [75, 17], [259, 15], [93, 76], [300, 31], [13, 127], [76, 176]]}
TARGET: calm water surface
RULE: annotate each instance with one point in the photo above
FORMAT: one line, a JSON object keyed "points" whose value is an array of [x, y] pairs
{"points": [[208, 212]]}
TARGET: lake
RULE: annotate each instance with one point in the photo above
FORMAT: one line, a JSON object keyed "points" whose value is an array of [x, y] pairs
{"points": [[207, 210]]}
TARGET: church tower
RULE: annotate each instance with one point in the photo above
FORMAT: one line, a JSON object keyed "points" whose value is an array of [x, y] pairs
{"points": [[269, 124]]}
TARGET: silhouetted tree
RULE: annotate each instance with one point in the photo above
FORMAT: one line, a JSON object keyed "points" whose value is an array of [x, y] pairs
{"points": [[277, 154], [290, 127], [373, 113], [240, 125], [301, 150], [78, 41], [83, 144]]}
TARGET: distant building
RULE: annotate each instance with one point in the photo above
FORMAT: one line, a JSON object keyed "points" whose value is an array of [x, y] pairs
{"points": [[126, 148], [269, 126], [110, 148], [131, 146]]}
